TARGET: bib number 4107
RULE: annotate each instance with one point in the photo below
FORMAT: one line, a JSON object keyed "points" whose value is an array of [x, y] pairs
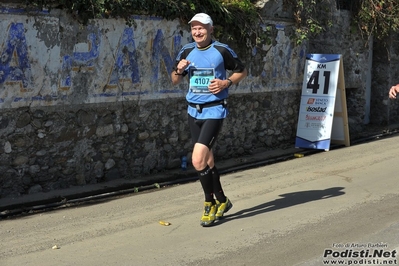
{"points": [[313, 82]]}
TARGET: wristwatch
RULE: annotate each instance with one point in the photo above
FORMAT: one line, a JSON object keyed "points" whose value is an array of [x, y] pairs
{"points": [[230, 83]]}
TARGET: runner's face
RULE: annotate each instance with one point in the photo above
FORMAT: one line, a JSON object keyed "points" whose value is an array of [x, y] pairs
{"points": [[201, 33]]}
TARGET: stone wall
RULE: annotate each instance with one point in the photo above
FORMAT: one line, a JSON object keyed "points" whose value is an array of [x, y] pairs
{"points": [[385, 75], [53, 148], [83, 105]]}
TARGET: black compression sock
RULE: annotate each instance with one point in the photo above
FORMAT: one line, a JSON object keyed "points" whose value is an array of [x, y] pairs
{"points": [[217, 186], [205, 177]]}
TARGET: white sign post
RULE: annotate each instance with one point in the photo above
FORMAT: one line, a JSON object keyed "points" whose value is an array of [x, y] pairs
{"points": [[322, 114]]}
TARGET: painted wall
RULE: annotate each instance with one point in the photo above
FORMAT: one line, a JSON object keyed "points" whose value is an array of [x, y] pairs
{"points": [[47, 60]]}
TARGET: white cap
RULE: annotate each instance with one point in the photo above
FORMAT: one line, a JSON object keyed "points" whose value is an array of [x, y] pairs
{"points": [[203, 18]]}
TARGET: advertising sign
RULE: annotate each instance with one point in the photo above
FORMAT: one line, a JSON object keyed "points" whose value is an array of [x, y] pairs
{"points": [[319, 99]]}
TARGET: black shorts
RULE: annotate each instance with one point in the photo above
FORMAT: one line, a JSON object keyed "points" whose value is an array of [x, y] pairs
{"points": [[204, 131]]}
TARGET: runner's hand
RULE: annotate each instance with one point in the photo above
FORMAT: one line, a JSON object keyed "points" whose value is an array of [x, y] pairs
{"points": [[182, 65], [393, 91], [217, 85]]}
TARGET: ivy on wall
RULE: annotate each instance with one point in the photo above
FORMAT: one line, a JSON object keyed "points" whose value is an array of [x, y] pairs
{"points": [[234, 19], [241, 20], [377, 18]]}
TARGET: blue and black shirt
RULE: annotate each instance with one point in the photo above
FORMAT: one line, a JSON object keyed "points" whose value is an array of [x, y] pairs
{"points": [[208, 63]]}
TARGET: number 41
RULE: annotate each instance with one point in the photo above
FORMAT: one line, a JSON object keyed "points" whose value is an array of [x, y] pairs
{"points": [[313, 82]]}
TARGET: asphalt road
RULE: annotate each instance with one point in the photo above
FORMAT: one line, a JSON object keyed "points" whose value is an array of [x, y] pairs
{"points": [[342, 204]]}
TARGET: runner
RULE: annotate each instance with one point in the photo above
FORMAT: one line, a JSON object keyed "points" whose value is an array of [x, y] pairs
{"points": [[205, 62]]}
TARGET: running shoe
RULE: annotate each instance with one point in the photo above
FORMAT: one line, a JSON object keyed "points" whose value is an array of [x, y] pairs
{"points": [[209, 214], [222, 208]]}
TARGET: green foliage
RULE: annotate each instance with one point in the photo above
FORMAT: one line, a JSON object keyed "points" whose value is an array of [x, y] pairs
{"points": [[378, 18], [311, 17], [239, 20], [234, 19]]}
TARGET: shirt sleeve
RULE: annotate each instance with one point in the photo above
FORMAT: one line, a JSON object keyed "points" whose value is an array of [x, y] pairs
{"points": [[182, 55], [231, 60]]}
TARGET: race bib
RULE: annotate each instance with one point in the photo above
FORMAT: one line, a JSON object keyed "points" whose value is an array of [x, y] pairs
{"points": [[200, 79]]}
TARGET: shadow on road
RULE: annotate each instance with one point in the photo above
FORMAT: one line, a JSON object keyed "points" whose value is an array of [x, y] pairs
{"points": [[287, 200]]}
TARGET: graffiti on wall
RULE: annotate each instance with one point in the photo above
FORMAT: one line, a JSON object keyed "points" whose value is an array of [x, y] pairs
{"points": [[79, 59], [18, 60], [15, 49], [137, 61]]}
